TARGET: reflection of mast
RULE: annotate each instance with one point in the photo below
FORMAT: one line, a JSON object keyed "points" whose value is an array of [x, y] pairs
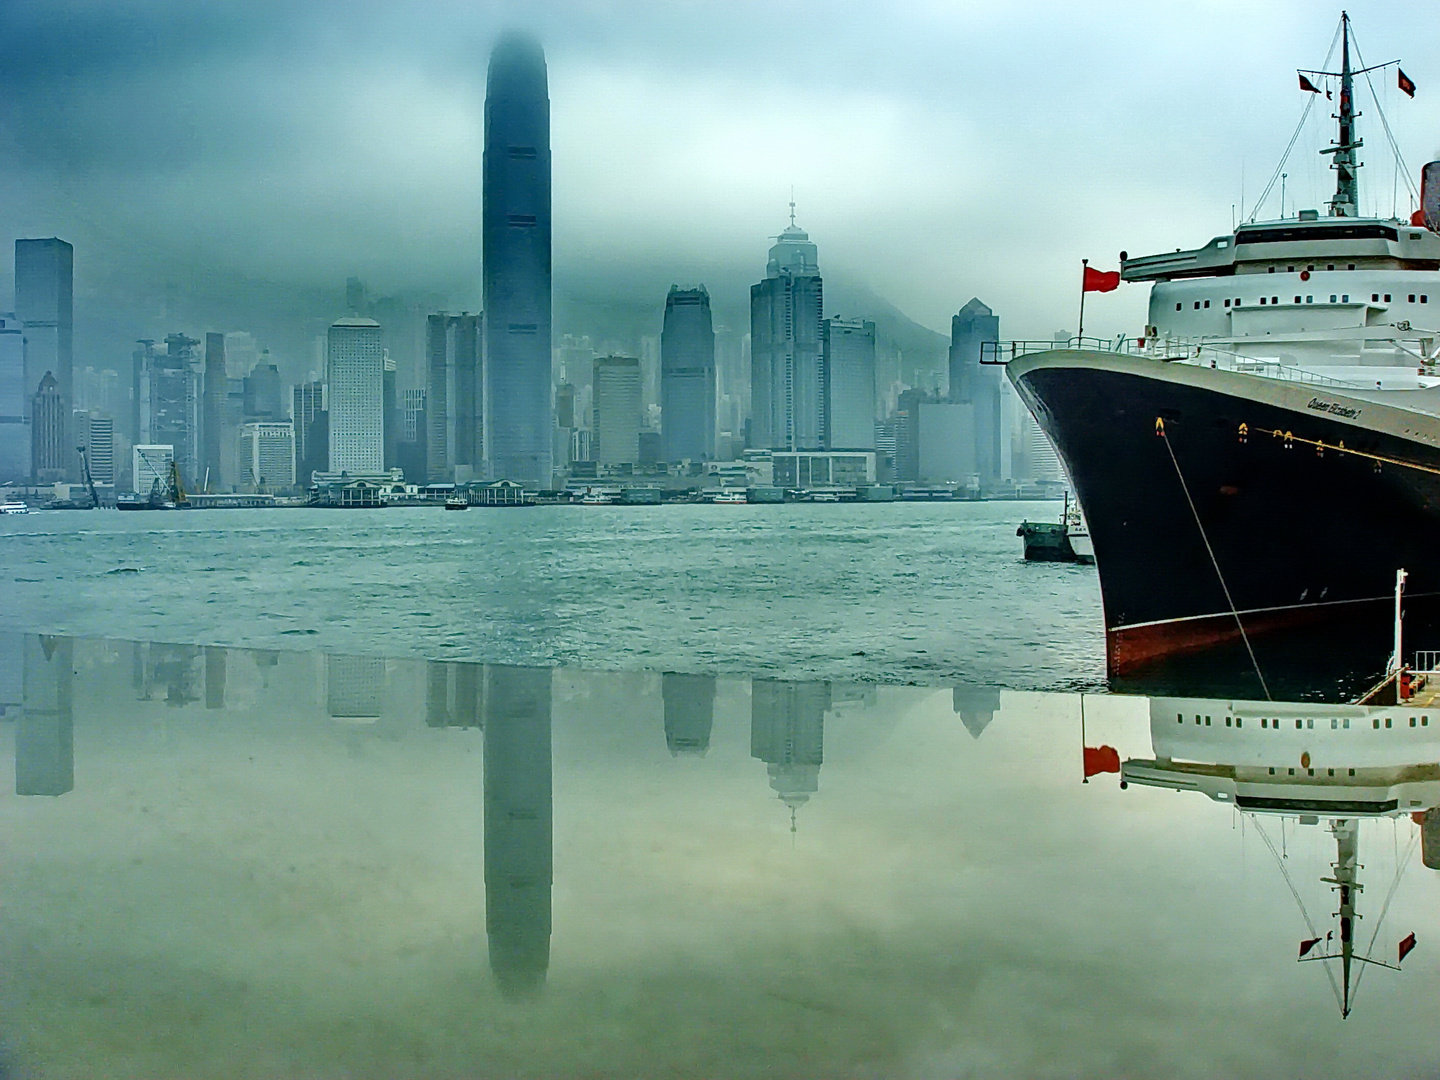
{"points": [[787, 732], [1347, 836], [519, 824], [689, 712], [977, 706], [44, 737]]}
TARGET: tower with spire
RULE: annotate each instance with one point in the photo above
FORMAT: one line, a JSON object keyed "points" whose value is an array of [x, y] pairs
{"points": [[787, 373]]}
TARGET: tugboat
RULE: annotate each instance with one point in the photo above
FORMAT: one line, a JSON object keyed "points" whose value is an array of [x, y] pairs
{"points": [[1259, 460], [1067, 540]]}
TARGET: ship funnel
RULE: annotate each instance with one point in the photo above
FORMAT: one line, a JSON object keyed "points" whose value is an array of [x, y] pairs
{"points": [[1430, 196]]}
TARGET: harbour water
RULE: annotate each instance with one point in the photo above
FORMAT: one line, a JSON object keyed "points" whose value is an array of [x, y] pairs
{"points": [[271, 863], [863, 592]]}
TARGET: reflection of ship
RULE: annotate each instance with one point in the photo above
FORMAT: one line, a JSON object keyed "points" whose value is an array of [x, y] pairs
{"points": [[1265, 457], [689, 712], [787, 732], [519, 824], [1343, 763]]}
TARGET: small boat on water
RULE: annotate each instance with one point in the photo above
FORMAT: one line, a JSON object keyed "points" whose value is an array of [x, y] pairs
{"points": [[457, 502], [14, 508], [825, 497], [730, 498], [1067, 540], [597, 498]]}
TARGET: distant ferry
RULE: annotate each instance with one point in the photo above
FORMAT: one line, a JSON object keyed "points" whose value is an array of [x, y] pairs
{"points": [[1262, 458], [597, 498], [14, 508], [730, 498]]}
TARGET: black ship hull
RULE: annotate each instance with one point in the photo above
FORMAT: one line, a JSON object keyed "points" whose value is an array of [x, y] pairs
{"points": [[1219, 501]]}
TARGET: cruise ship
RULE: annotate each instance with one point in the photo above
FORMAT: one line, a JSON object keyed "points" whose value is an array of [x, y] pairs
{"points": [[1260, 460]]}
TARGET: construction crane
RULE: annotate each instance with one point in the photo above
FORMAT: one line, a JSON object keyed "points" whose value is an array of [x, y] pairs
{"points": [[89, 480]]}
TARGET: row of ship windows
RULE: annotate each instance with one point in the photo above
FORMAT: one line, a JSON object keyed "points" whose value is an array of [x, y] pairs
{"points": [[1311, 267], [1344, 299], [1336, 723], [1311, 772]]}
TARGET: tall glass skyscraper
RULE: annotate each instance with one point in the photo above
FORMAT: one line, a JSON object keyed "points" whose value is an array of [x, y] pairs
{"points": [[849, 384], [975, 384], [787, 393], [44, 303], [516, 252], [687, 377], [618, 401], [14, 406], [356, 374]]}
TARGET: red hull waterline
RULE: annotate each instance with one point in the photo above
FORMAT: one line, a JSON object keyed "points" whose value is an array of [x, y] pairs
{"points": [[1131, 649]]}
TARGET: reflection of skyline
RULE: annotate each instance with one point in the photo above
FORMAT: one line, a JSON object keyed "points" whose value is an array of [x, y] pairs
{"points": [[214, 677], [787, 732], [976, 706], [452, 694], [44, 736], [354, 687], [519, 824], [689, 712]]}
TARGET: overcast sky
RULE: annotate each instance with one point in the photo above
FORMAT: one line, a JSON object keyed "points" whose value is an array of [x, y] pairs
{"points": [[937, 149]]}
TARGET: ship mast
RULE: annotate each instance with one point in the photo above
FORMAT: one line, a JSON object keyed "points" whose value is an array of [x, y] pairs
{"points": [[1346, 202]]}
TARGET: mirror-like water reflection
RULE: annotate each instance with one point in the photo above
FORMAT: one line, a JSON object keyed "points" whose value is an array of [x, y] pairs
{"points": [[223, 862]]}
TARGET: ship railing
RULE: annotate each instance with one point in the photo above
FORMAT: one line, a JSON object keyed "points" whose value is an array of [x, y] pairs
{"points": [[1426, 663], [1167, 350]]}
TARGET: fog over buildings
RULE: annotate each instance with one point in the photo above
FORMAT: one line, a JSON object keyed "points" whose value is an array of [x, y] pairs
{"points": [[230, 165]]}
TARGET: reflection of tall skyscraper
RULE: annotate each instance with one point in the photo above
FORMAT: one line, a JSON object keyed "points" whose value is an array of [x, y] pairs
{"points": [[44, 738], [787, 732], [516, 264], [977, 706], [354, 687], [214, 677], [689, 712], [519, 868], [687, 377], [452, 694], [12, 671]]}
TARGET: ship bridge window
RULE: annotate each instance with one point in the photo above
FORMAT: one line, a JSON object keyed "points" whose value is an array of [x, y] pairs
{"points": [[1412, 298], [1297, 725], [1332, 298], [1334, 723], [1239, 721], [1387, 721], [1412, 721], [1197, 305], [1207, 303], [1347, 723], [1350, 266], [1290, 269], [1387, 298], [1374, 297], [1271, 270], [1297, 299], [1309, 299], [1424, 299], [1376, 723], [1227, 302], [1345, 297], [1179, 306], [1274, 299], [1262, 300], [1329, 266]]}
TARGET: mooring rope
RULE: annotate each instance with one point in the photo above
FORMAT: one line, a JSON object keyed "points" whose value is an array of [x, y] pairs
{"points": [[1240, 625]]}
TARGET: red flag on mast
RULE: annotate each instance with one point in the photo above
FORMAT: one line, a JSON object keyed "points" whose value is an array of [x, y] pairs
{"points": [[1100, 759], [1307, 945], [1306, 84], [1407, 85], [1406, 944], [1101, 280]]}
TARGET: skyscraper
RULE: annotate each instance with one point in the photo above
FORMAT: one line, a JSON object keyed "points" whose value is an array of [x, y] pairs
{"points": [[101, 449], [356, 376], [48, 459], [787, 393], [14, 406], [170, 400], [687, 377], [617, 389], [516, 254], [217, 388], [978, 385], [453, 410], [44, 303], [849, 347], [312, 430]]}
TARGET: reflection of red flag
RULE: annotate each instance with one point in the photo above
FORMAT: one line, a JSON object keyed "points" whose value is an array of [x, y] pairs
{"points": [[1407, 86], [1306, 84], [1308, 944], [1406, 944], [1101, 280], [1100, 759]]}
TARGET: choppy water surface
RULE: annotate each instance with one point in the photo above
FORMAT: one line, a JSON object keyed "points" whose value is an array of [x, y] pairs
{"points": [[891, 593], [261, 863]]}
